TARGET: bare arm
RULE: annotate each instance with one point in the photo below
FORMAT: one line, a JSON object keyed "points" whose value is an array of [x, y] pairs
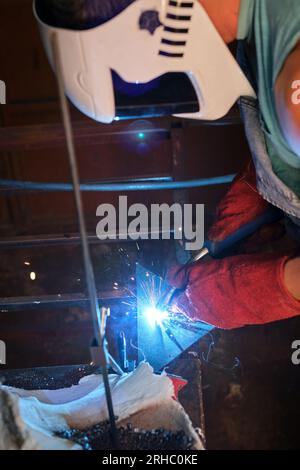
{"points": [[292, 277], [288, 109]]}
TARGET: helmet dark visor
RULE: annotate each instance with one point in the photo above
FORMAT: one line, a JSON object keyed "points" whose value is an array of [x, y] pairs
{"points": [[79, 14]]}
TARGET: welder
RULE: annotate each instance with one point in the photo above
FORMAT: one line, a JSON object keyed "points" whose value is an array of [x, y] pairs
{"points": [[236, 290], [257, 288]]}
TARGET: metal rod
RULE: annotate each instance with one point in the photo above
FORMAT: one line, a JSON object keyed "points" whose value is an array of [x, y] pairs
{"points": [[14, 185], [17, 186], [90, 278]]}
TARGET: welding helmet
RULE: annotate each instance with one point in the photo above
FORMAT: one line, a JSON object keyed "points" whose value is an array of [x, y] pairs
{"points": [[144, 41]]}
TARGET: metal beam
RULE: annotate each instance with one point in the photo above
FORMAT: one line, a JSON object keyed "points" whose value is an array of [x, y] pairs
{"points": [[13, 304], [65, 239], [41, 136]]}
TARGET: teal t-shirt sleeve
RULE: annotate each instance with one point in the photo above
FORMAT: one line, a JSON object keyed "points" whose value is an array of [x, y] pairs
{"points": [[273, 27], [245, 18], [284, 29]]}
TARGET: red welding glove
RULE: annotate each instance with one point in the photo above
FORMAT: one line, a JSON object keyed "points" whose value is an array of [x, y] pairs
{"points": [[242, 209], [234, 291], [240, 290]]}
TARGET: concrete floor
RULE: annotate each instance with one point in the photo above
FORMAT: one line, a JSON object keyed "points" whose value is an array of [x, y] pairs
{"points": [[255, 405]]}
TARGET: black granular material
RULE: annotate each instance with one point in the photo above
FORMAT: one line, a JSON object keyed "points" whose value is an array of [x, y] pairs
{"points": [[98, 438], [43, 379]]}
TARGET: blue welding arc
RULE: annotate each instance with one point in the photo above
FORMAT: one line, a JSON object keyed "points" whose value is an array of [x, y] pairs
{"points": [[107, 187], [156, 344]]}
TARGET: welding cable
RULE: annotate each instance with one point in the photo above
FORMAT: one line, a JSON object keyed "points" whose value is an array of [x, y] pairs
{"points": [[118, 187]]}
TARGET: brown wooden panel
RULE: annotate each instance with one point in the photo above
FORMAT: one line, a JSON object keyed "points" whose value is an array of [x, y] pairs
{"points": [[86, 132], [214, 151], [23, 63]]}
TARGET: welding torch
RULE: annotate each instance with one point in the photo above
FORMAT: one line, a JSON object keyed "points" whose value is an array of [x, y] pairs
{"points": [[216, 249]]}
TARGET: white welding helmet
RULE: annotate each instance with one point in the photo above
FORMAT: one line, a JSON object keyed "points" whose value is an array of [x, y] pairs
{"points": [[147, 39]]}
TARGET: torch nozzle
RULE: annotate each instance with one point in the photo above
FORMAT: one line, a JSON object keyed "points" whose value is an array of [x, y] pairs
{"points": [[166, 298]]}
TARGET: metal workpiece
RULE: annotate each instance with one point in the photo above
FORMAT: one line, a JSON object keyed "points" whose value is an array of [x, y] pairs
{"points": [[162, 335]]}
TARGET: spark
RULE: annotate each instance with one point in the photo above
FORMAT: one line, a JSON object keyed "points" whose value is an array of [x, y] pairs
{"points": [[155, 316]]}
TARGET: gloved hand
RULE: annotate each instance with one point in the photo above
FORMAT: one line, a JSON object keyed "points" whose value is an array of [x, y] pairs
{"points": [[238, 290], [242, 211], [235, 291]]}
